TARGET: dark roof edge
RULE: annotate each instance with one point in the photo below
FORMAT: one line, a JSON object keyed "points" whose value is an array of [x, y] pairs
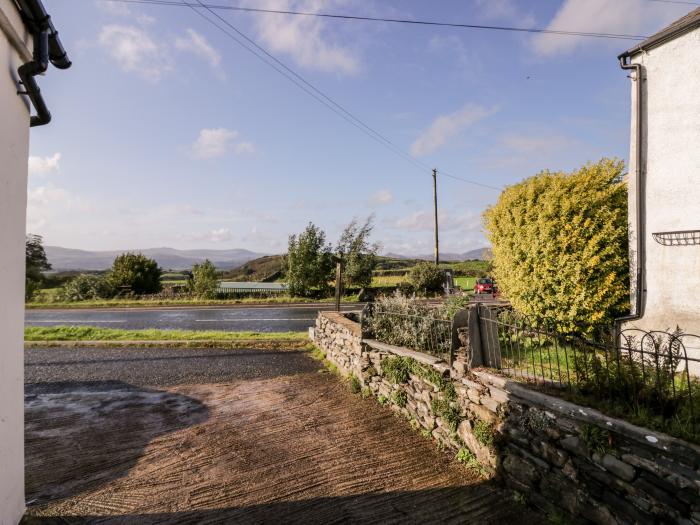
{"points": [[662, 38]]}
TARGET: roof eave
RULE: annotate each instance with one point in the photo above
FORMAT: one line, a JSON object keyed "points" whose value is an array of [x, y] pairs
{"points": [[661, 39]]}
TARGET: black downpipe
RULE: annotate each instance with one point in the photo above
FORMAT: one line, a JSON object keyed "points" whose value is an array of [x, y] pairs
{"points": [[28, 71], [47, 48], [640, 196]]}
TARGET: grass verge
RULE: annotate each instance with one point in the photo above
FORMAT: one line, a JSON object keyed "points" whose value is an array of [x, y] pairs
{"points": [[92, 333]]}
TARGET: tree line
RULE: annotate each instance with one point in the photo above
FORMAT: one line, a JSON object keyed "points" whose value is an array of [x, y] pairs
{"points": [[130, 274]]}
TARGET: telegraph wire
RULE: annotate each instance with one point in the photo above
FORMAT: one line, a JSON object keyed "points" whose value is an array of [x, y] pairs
{"points": [[318, 98], [316, 93], [456, 25]]}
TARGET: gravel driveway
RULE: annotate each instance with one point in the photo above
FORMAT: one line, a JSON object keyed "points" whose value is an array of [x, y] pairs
{"points": [[229, 436]]}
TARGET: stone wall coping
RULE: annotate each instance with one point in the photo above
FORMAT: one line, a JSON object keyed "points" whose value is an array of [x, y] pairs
{"points": [[426, 359], [339, 318], [648, 437]]}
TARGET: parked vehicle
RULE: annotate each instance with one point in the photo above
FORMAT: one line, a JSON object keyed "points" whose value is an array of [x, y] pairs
{"points": [[484, 285]]}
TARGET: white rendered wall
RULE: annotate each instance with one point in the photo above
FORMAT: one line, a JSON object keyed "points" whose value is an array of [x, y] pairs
{"points": [[14, 145], [671, 149]]}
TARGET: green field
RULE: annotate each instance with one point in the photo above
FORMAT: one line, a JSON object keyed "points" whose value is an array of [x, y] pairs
{"points": [[466, 283]]}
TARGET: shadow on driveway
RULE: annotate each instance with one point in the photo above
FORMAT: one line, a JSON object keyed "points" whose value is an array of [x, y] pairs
{"points": [[81, 435], [473, 504]]}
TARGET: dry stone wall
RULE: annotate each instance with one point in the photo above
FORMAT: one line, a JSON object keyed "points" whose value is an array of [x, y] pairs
{"points": [[558, 456]]}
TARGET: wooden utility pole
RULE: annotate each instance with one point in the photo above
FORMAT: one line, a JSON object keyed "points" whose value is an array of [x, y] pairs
{"points": [[338, 282], [437, 249]]}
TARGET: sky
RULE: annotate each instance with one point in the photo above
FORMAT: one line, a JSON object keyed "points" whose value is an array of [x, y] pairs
{"points": [[166, 132]]}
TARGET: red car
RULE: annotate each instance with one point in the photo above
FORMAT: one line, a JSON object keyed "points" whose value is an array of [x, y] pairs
{"points": [[484, 285]]}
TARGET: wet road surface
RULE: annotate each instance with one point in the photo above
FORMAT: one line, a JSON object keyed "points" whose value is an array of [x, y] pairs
{"points": [[257, 319]]}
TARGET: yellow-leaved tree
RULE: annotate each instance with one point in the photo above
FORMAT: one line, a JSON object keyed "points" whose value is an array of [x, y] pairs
{"points": [[560, 245]]}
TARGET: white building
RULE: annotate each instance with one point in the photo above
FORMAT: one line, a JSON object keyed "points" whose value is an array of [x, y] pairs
{"points": [[20, 35], [664, 180]]}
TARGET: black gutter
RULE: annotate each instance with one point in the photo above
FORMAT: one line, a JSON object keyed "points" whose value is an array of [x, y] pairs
{"points": [[640, 195], [672, 32], [47, 48]]}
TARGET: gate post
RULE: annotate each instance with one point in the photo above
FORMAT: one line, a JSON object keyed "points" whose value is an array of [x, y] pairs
{"points": [[476, 356]]}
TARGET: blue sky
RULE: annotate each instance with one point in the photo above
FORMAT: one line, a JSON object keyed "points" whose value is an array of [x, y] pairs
{"points": [[167, 133]]}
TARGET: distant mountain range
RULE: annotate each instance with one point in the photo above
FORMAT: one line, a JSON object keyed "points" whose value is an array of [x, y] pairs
{"points": [[62, 259], [167, 258], [479, 253]]}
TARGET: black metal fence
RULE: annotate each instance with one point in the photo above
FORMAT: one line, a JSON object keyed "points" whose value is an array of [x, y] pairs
{"points": [[652, 374], [427, 332]]}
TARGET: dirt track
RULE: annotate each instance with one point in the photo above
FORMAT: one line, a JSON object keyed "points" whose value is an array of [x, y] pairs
{"points": [[293, 448]]}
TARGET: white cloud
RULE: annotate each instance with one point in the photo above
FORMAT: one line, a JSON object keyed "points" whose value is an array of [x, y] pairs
{"points": [[145, 20], [416, 221], [44, 165], [198, 44], [135, 51], [381, 197], [445, 127], [114, 8], [220, 235], [637, 17], [243, 147], [215, 142], [305, 38], [503, 10], [47, 203]]}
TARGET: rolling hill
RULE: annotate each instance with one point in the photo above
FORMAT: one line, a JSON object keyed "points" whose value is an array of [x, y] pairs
{"points": [[63, 259]]}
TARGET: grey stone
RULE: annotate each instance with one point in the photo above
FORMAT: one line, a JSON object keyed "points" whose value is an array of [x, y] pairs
{"points": [[473, 385], [619, 468], [660, 491], [520, 469], [482, 413], [554, 455], [490, 403], [575, 445], [499, 395], [460, 368], [474, 395]]}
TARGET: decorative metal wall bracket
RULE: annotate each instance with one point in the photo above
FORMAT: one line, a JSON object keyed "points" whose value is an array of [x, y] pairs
{"points": [[679, 238]]}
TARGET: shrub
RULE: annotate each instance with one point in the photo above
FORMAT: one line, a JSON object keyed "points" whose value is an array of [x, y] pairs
{"points": [[407, 322], [468, 459], [427, 278], [136, 272], [445, 410], [203, 281], [396, 369], [382, 399], [85, 287], [309, 262], [36, 264], [484, 433], [358, 255], [405, 288], [400, 398], [560, 245], [354, 385]]}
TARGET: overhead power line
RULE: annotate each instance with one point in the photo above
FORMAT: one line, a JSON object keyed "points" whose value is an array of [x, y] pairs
{"points": [[211, 7], [280, 67]]}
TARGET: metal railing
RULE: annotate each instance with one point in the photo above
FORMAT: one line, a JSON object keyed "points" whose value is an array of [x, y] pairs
{"points": [[653, 373], [427, 333]]}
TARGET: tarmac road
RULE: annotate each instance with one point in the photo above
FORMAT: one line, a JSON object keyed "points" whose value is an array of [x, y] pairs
{"points": [[295, 318]]}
